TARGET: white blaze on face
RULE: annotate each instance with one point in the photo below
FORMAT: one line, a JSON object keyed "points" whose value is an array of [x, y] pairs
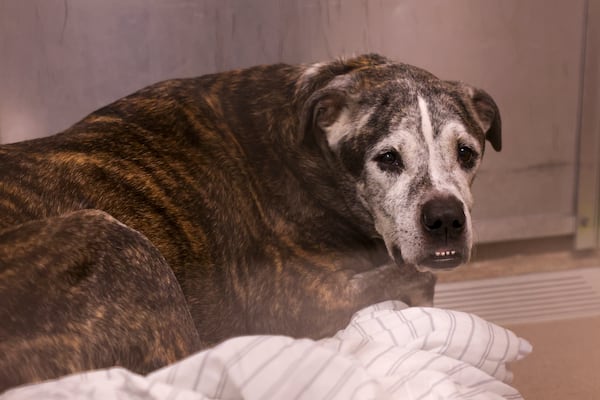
{"points": [[447, 177], [437, 150]]}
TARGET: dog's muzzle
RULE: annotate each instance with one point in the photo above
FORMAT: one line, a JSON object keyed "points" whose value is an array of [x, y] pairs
{"points": [[443, 223]]}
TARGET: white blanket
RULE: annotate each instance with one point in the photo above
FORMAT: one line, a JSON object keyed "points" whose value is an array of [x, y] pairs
{"points": [[388, 351]]}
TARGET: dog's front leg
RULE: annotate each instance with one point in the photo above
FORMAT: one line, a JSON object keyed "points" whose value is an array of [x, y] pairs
{"points": [[393, 282], [354, 291], [317, 303]]}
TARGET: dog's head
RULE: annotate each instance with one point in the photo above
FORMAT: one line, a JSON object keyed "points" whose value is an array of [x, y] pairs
{"points": [[411, 144]]}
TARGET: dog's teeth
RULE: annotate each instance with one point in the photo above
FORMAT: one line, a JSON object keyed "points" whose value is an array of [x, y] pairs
{"points": [[445, 253]]}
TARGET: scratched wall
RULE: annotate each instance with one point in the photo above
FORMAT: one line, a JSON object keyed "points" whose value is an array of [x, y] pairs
{"points": [[61, 59]]}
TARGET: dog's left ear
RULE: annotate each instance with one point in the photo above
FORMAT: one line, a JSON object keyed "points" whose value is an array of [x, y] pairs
{"points": [[486, 113], [489, 117]]}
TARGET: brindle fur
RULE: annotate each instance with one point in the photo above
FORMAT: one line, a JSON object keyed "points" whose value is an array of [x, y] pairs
{"points": [[188, 212]]}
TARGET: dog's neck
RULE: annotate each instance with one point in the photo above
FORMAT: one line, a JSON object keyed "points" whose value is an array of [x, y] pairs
{"points": [[298, 181]]}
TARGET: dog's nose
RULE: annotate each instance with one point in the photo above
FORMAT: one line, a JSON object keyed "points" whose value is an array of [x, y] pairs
{"points": [[443, 215]]}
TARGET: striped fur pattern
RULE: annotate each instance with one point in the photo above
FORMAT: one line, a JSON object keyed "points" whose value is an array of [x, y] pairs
{"points": [[251, 201]]}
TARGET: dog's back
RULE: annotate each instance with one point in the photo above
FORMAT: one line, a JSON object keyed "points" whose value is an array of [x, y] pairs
{"points": [[156, 160]]}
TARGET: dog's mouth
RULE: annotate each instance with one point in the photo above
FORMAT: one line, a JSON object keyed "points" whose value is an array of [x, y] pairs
{"points": [[442, 259], [439, 259]]}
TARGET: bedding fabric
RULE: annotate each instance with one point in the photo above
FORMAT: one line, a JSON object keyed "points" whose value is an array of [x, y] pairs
{"points": [[388, 351]]}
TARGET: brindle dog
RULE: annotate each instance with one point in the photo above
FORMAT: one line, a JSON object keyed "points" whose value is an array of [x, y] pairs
{"points": [[276, 199]]}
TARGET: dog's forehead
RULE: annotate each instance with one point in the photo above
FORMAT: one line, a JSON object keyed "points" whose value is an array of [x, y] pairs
{"points": [[402, 92], [389, 115], [394, 103]]}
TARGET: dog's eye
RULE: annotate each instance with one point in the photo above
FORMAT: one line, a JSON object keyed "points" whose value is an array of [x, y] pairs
{"points": [[466, 156], [388, 161]]}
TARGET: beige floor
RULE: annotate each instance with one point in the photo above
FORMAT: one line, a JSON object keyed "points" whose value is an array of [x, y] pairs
{"points": [[565, 362]]}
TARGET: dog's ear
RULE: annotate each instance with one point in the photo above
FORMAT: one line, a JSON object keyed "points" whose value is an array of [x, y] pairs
{"points": [[323, 91], [326, 108], [321, 111], [485, 111], [489, 117]]}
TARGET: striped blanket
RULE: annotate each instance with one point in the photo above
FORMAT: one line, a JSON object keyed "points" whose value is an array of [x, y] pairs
{"points": [[388, 351]]}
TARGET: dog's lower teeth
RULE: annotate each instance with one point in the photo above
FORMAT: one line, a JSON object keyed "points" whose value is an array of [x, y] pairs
{"points": [[445, 253]]}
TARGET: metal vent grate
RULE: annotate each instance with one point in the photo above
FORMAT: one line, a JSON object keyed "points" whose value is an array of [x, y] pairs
{"points": [[526, 298]]}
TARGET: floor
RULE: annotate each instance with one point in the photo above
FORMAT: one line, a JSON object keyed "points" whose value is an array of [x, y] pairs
{"points": [[565, 362]]}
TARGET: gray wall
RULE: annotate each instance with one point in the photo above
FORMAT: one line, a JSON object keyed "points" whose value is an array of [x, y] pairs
{"points": [[61, 59]]}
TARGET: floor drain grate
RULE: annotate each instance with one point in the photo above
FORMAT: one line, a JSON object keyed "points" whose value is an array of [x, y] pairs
{"points": [[536, 297]]}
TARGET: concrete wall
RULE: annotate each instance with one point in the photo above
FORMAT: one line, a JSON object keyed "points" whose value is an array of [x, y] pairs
{"points": [[61, 59]]}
